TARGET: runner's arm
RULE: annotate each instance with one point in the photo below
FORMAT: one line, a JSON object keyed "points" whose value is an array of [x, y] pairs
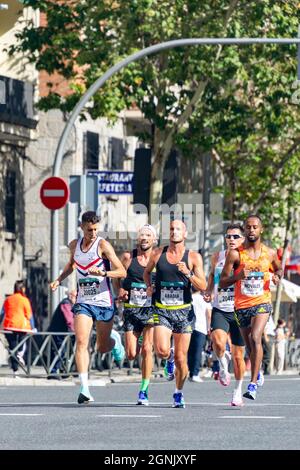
{"points": [[276, 265], [197, 279], [150, 266], [232, 260], [68, 269], [210, 282], [122, 294], [119, 271]]}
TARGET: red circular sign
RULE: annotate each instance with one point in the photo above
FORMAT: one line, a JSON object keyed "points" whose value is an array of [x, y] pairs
{"points": [[54, 193]]}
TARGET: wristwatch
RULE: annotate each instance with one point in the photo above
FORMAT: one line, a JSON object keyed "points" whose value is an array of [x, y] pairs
{"points": [[188, 276], [104, 274]]}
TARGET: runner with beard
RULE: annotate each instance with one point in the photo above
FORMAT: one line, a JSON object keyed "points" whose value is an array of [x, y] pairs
{"points": [[177, 269], [252, 264], [138, 311]]}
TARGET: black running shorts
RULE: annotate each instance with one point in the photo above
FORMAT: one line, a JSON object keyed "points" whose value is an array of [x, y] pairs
{"points": [[177, 320], [136, 319], [243, 316], [226, 321]]}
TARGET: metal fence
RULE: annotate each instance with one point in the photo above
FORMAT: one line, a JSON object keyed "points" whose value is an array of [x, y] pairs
{"points": [[44, 350]]}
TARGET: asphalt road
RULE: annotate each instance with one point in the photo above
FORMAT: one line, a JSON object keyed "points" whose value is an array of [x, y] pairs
{"points": [[49, 418]]}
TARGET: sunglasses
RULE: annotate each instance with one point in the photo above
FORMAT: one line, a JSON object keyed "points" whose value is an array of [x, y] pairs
{"points": [[235, 237]]}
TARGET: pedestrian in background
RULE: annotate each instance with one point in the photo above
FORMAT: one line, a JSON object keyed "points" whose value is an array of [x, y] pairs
{"points": [[202, 311], [18, 319], [280, 342]]}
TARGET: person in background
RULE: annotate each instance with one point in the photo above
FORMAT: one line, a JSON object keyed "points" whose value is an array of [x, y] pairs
{"points": [[268, 339], [202, 312], [280, 342], [61, 322], [18, 321]]}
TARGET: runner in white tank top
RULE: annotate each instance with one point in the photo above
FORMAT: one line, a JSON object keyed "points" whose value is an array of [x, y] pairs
{"points": [[91, 257], [92, 290], [223, 320]]}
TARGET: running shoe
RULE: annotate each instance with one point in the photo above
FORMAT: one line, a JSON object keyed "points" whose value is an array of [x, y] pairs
{"points": [[178, 400], [216, 375], [143, 398], [195, 378], [251, 391], [237, 398], [169, 369], [118, 351], [84, 397], [260, 379], [224, 377]]}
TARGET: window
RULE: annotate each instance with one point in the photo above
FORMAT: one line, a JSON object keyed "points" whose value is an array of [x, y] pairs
{"points": [[10, 201], [91, 151]]}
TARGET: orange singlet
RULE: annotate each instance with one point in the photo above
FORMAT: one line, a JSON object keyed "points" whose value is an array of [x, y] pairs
{"points": [[255, 288]]}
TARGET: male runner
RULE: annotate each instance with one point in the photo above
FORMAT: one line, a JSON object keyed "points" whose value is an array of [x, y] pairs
{"points": [[223, 320], [91, 256], [252, 264], [138, 311], [176, 270]]}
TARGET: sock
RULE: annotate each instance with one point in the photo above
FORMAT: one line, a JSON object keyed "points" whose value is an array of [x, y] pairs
{"points": [[171, 357], [177, 390], [223, 363], [144, 385], [83, 377], [238, 385]]}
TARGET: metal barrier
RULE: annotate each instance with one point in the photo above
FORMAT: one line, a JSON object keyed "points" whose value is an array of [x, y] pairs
{"points": [[43, 352], [42, 349]]}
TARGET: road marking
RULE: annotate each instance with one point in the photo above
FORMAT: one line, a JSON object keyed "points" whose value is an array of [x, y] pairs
{"points": [[54, 192], [132, 403], [252, 417], [21, 414], [128, 416]]}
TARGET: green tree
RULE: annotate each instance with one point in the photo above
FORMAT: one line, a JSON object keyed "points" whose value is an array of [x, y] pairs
{"points": [[231, 101]]}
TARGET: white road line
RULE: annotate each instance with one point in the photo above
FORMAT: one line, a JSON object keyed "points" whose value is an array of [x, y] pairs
{"points": [[128, 416], [252, 417], [54, 192], [21, 414], [133, 404]]}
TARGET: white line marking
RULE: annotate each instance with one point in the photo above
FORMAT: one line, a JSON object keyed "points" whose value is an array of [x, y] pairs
{"points": [[54, 192], [21, 414], [128, 416], [252, 417]]}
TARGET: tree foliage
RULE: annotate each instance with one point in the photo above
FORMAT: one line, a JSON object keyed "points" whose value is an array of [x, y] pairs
{"points": [[234, 102]]}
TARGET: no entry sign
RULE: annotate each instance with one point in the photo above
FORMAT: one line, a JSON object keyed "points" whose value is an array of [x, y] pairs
{"points": [[54, 193]]}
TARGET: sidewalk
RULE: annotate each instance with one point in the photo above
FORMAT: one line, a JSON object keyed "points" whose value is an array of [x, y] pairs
{"points": [[96, 378]]}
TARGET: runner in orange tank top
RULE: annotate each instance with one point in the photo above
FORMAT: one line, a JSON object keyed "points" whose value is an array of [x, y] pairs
{"points": [[252, 264]]}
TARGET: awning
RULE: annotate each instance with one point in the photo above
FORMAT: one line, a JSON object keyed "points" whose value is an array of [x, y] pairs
{"points": [[293, 266], [290, 291]]}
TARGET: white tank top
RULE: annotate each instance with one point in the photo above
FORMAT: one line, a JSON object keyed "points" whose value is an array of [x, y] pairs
{"points": [[223, 298], [92, 290]]}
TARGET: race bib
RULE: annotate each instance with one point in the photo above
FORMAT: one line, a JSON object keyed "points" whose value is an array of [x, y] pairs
{"points": [[226, 297], [138, 295], [171, 293], [89, 287], [253, 284]]}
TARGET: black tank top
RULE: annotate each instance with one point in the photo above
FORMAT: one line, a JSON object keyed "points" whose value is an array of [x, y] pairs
{"points": [[134, 283], [172, 287]]}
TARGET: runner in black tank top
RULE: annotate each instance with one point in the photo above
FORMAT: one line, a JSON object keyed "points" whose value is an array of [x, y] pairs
{"points": [[177, 269], [138, 311], [172, 287]]}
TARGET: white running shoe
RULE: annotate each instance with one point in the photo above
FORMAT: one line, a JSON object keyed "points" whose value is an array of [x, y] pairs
{"points": [[196, 378], [237, 399], [224, 377]]}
